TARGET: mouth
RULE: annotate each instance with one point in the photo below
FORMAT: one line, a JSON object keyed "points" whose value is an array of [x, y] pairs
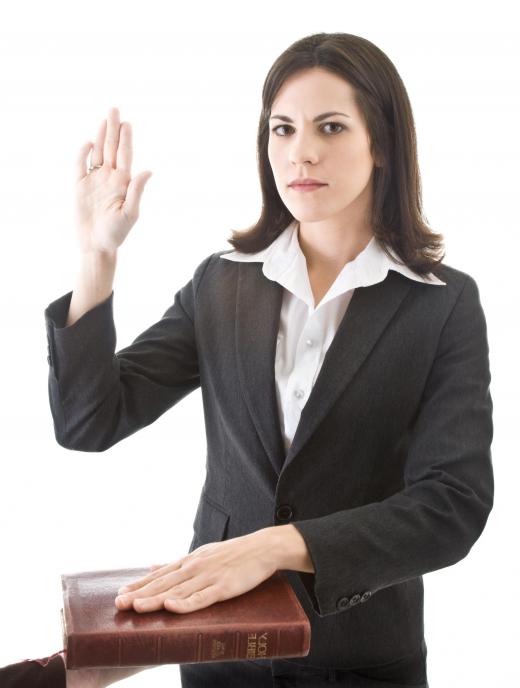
{"points": [[306, 187]]}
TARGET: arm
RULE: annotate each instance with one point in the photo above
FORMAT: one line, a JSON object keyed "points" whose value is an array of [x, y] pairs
{"points": [[99, 397], [435, 520]]}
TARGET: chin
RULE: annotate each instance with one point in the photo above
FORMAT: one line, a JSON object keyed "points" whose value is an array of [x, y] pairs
{"points": [[310, 214]]}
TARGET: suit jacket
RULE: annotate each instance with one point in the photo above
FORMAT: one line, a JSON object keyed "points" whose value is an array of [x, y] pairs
{"points": [[48, 672], [389, 475]]}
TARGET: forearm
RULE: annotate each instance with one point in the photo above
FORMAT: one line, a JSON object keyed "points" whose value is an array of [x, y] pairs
{"points": [[94, 283], [288, 549]]}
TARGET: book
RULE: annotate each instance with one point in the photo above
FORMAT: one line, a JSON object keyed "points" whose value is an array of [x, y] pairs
{"points": [[265, 622]]}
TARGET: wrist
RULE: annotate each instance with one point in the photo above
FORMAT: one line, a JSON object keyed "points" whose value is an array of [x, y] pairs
{"points": [[288, 549], [98, 256]]}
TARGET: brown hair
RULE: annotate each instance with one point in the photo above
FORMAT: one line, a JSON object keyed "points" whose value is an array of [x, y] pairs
{"points": [[397, 219]]}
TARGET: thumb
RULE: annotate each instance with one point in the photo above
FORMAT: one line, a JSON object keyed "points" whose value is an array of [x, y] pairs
{"points": [[134, 192]]}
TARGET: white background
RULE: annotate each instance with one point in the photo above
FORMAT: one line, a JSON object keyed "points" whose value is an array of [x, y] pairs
{"points": [[190, 84]]}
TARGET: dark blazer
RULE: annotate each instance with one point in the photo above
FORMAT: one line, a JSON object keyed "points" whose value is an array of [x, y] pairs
{"points": [[48, 672], [389, 475]]}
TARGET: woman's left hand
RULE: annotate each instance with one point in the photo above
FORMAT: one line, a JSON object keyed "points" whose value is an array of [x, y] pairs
{"points": [[211, 573]]}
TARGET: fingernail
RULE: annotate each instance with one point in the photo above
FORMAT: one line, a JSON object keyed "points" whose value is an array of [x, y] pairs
{"points": [[124, 588]]}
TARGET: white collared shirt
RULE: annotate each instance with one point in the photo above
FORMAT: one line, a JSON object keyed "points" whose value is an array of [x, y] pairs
{"points": [[306, 332]]}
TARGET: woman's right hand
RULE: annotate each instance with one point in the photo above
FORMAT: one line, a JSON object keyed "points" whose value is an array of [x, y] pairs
{"points": [[107, 199]]}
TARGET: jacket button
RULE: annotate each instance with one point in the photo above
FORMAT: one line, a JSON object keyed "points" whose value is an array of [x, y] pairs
{"points": [[365, 596], [284, 512], [342, 603], [354, 600]]}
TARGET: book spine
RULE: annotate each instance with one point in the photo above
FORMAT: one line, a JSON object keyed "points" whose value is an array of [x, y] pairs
{"points": [[188, 646]]}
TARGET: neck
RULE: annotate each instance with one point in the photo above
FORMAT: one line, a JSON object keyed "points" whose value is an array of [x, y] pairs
{"points": [[330, 246]]}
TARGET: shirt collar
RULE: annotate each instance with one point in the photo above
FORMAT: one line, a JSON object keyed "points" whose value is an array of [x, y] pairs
{"points": [[284, 262]]}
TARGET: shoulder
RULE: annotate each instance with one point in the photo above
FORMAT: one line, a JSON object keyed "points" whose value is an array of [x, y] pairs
{"points": [[209, 263], [457, 306], [216, 264], [214, 274], [432, 306], [456, 282], [451, 275]]}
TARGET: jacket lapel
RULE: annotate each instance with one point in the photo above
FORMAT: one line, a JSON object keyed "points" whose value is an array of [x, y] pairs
{"points": [[259, 301], [258, 312], [369, 312]]}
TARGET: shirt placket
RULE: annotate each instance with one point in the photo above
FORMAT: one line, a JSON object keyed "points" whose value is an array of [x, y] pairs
{"points": [[300, 381]]}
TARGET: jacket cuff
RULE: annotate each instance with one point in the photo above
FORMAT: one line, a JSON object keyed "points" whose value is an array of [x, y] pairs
{"points": [[73, 345], [330, 591]]}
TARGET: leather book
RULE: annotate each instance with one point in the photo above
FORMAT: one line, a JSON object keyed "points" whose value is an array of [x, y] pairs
{"points": [[265, 622]]}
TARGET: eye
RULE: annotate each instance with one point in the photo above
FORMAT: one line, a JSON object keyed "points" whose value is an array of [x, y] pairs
{"points": [[282, 126]]}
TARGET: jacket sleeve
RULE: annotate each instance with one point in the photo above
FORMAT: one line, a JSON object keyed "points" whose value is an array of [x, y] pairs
{"points": [[442, 510], [48, 672], [99, 396]]}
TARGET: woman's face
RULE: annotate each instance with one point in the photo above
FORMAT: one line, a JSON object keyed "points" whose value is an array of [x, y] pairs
{"points": [[334, 150]]}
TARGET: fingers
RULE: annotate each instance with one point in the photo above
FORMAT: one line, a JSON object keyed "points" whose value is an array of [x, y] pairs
{"points": [[124, 150], [81, 163], [148, 579], [190, 602], [143, 604], [154, 567], [112, 147], [153, 588], [111, 138], [197, 600], [148, 595], [97, 152], [187, 599]]}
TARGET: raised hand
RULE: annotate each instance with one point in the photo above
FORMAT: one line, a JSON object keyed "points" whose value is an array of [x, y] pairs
{"points": [[107, 198]]}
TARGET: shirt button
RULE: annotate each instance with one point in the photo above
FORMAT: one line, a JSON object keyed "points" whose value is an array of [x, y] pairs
{"points": [[299, 393], [310, 342]]}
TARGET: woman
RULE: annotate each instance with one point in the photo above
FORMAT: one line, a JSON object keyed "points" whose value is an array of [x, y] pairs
{"points": [[343, 367]]}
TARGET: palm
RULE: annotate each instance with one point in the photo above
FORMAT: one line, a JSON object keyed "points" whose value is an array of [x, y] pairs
{"points": [[101, 203]]}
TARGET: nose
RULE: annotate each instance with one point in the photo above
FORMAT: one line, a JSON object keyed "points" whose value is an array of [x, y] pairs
{"points": [[303, 149]]}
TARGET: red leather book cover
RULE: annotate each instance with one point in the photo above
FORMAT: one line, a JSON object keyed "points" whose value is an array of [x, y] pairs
{"points": [[265, 622]]}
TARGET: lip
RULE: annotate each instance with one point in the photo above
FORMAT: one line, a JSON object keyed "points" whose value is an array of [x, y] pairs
{"points": [[302, 181], [307, 187]]}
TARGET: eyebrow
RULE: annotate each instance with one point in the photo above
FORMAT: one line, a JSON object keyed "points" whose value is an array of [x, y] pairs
{"points": [[318, 118]]}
